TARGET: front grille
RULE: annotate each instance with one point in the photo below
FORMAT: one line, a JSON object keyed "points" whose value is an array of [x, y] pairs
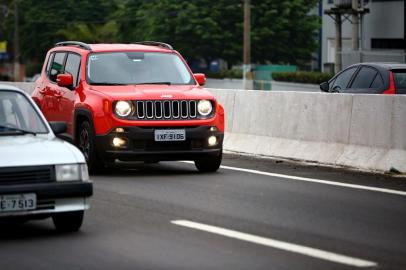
{"points": [[26, 175], [166, 109]]}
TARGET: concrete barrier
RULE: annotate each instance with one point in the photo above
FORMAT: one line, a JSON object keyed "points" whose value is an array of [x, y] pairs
{"points": [[360, 131], [26, 86]]}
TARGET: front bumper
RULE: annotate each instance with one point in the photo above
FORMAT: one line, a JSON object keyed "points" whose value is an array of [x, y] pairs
{"points": [[141, 145], [52, 197]]}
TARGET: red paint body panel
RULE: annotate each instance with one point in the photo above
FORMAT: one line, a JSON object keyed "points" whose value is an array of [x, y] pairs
{"points": [[391, 90], [60, 103]]}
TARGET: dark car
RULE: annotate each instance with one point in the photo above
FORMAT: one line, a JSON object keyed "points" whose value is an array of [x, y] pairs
{"points": [[368, 78]]}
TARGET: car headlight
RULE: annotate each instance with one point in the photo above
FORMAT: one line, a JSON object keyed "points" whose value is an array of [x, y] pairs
{"points": [[123, 108], [204, 107], [71, 172]]}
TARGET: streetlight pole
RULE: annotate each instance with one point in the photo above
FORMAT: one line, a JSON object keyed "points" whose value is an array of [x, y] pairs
{"points": [[247, 42]]}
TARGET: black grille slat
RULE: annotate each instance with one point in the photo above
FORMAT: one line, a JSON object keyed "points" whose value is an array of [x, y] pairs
{"points": [[26, 175], [166, 109]]}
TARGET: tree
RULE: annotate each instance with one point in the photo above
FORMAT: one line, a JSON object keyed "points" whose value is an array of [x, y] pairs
{"points": [[91, 33], [282, 30]]}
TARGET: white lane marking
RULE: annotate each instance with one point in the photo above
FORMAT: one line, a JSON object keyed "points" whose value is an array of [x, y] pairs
{"points": [[319, 181], [303, 250]]}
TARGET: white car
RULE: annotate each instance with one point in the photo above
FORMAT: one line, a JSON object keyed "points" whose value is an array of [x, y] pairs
{"points": [[41, 176]]}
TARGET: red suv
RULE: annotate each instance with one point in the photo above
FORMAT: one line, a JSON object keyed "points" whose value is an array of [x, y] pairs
{"points": [[131, 102]]}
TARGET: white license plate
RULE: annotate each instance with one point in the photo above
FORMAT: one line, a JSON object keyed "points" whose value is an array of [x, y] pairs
{"points": [[169, 135], [18, 202]]}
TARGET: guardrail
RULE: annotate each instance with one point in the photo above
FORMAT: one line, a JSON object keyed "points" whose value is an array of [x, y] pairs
{"points": [[360, 131]]}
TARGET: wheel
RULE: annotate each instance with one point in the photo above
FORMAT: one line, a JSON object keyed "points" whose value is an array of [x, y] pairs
{"points": [[209, 164], [68, 221], [86, 144]]}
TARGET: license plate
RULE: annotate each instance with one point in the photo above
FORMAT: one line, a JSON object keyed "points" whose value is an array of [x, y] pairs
{"points": [[169, 135], [18, 202]]}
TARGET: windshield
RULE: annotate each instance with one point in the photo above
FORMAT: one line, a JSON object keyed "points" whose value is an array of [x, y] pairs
{"points": [[18, 116], [137, 68]]}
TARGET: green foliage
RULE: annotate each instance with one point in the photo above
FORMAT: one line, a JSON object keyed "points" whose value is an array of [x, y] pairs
{"points": [[302, 77], [91, 33], [282, 30], [41, 21], [230, 74]]}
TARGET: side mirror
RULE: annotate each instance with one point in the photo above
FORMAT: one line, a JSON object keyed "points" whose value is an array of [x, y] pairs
{"points": [[200, 78], [58, 127], [324, 86], [65, 80]]}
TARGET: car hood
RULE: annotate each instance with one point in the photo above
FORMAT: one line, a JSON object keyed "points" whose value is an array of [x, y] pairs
{"points": [[153, 91], [30, 150]]}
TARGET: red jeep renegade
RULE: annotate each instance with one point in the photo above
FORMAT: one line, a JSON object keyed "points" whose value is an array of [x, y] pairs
{"points": [[131, 102]]}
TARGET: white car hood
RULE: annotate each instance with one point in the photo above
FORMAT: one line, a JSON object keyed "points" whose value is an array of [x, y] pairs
{"points": [[30, 150]]}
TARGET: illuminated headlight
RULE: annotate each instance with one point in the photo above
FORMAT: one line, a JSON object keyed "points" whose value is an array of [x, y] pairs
{"points": [[204, 107], [71, 172], [212, 140], [123, 108]]}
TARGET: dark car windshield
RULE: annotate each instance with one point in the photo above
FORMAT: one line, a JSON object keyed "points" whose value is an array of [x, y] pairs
{"points": [[137, 68], [17, 115], [400, 81]]}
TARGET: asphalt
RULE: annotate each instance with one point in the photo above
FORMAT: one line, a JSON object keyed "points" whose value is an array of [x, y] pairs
{"points": [[129, 225]]}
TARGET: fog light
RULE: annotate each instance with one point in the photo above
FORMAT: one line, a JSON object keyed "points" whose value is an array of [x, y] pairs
{"points": [[212, 140], [119, 142], [119, 130], [212, 129]]}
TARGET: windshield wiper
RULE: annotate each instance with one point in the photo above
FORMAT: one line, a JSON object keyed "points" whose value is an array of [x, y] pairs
{"points": [[168, 83], [107, 83], [19, 130]]}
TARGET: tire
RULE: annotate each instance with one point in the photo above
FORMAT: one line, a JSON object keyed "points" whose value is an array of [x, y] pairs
{"points": [[209, 164], [86, 143], [68, 221]]}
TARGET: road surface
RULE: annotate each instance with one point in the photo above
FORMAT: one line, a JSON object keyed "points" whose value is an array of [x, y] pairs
{"points": [[252, 214]]}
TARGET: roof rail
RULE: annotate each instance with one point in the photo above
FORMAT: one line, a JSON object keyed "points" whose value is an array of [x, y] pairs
{"points": [[74, 43], [155, 43]]}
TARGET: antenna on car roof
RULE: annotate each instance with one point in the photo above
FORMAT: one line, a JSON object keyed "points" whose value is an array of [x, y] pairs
{"points": [[74, 43], [154, 43]]}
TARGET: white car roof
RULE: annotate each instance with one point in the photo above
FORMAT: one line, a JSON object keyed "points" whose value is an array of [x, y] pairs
{"points": [[9, 87]]}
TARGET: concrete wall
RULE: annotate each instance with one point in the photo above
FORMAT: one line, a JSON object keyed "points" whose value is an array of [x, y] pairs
{"points": [[26, 86], [227, 83], [276, 86], [295, 87], [359, 131]]}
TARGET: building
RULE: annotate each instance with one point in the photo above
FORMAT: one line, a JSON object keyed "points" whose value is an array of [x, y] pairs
{"points": [[381, 38]]}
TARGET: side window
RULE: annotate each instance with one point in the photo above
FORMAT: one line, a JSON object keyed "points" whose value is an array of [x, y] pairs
{"points": [[378, 82], [364, 78], [72, 66], [56, 66], [50, 59], [342, 80]]}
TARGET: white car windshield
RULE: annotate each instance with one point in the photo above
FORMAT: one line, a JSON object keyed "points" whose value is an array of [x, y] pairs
{"points": [[18, 116], [137, 68]]}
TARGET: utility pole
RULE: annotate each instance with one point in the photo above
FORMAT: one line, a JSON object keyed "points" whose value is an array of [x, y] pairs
{"points": [[345, 9], [339, 44], [16, 44], [247, 42], [355, 25]]}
